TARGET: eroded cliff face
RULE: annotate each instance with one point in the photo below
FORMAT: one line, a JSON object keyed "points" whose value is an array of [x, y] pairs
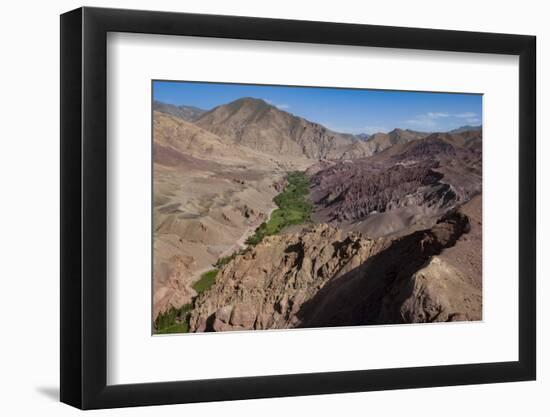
{"points": [[322, 276], [408, 185], [266, 287], [437, 292]]}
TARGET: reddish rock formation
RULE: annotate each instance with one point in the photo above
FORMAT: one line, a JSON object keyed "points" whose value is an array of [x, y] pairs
{"points": [[419, 180]]}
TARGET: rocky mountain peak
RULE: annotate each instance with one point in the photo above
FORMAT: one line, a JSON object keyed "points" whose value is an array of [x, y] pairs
{"points": [[249, 102], [263, 127]]}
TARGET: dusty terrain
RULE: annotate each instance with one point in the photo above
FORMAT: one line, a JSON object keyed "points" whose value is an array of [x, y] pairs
{"points": [[395, 235], [208, 195]]}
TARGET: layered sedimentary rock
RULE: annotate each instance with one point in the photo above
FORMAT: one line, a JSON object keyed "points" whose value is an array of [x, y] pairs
{"points": [[406, 185]]}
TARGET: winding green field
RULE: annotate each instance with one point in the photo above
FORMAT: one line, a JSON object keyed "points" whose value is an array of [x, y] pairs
{"points": [[293, 205]]}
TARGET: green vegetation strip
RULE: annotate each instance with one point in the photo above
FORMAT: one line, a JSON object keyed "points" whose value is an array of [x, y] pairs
{"points": [[293, 207], [175, 320], [206, 281]]}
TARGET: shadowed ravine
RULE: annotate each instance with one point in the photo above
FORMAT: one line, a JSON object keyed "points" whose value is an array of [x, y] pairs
{"points": [[375, 292]]}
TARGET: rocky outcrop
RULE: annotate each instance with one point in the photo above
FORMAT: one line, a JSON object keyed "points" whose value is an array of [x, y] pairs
{"points": [[418, 180], [266, 287], [437, 292], [388, 289], [358, 192], [322, 277]]}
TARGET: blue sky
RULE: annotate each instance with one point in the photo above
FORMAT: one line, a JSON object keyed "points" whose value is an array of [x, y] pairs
{"points": [[342, 110]]}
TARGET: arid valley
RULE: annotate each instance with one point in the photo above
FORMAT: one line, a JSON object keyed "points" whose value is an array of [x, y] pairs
{"points": [[263, 219]]}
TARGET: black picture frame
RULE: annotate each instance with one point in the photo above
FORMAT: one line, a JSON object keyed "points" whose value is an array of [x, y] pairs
{"points": [[84, 207]]}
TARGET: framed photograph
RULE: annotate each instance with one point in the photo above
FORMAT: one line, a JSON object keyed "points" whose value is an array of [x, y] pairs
{"points": [[257, 208]]}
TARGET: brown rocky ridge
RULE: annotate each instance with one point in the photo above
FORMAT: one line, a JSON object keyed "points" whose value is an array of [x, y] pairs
{"points": [[322, 276]]}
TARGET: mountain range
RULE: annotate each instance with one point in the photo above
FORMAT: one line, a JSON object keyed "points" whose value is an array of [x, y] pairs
{"points": [[187, 113], [394, 234], [466, 128], [258, 125]]}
